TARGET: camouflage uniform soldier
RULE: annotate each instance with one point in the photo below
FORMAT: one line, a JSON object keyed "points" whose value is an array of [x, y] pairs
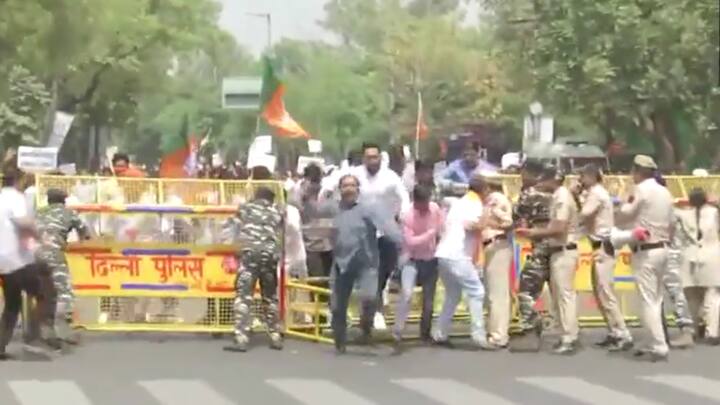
{"points": [[54, 223], [258, 224], [532, 210]]}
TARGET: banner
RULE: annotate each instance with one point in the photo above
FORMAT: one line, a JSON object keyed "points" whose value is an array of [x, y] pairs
{"points": [[157, 270], [37, 160]]}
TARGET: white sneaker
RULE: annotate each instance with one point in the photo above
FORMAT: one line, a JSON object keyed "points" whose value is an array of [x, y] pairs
{"points": [[379, 322]]}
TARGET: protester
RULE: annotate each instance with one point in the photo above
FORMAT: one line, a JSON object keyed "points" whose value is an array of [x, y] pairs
{"points": [[422, 225], [356, 257], [18, 271]]}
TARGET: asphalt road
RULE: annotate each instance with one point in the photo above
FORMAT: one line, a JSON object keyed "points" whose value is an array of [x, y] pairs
{"points": [[193, 370]]}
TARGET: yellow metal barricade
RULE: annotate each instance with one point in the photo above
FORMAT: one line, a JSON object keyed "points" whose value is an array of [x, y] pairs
{"points": [[157, 264]]}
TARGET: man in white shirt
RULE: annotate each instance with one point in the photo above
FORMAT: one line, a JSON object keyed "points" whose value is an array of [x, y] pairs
{"points": [[17, 270], [457, 254], [381, 187]]}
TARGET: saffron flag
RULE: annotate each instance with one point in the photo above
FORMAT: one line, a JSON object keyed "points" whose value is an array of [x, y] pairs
{"points": [[179, 153], [421, 129], [272, 106]]}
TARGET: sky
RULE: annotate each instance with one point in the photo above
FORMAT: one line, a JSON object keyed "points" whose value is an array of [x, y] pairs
{"points": [[294, 19]]}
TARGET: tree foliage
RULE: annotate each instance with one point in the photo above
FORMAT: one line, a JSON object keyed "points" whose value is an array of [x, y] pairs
{"points": [[643, 72]]}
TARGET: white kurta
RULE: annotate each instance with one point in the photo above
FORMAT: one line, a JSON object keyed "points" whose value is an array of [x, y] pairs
{"points": [[701, 256]]}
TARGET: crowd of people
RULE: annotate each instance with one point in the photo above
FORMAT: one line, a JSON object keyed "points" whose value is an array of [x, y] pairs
{"points": [[367, 222], [364, 223]]}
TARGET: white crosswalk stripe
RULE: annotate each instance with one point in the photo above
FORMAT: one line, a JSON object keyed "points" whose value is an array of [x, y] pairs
{"points": [[317, 392], [184, 392], [34, 392], [700, 386], [450, 392], [583, 391]]}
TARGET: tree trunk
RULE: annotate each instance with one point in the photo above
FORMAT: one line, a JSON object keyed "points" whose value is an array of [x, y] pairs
{"points": [[50, 116], [663, 136]]}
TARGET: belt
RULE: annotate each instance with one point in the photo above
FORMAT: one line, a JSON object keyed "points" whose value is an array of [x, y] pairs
{"points": [[557, 249], [494, 239], [650, 246], [605, 245]]}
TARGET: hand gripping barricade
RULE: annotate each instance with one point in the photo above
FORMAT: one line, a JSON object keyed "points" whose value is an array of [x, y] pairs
{"points": [[158, 264]]}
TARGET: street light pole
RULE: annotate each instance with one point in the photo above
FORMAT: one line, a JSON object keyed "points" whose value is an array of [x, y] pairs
{"points": [[268, 46], [268, 20]]}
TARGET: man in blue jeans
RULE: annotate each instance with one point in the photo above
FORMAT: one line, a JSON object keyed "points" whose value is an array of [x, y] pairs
{"points": [[457, 254], [421, 225]]}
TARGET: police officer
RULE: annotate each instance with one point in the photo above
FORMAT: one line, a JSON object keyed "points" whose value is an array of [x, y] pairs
{"points": [[650, 206], [54, 223], [673, 285], [531, 210], [257, 224], [597, 220], [497, 218], [561, 234]]}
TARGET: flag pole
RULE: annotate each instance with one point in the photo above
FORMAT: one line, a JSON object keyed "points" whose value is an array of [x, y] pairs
{"points": [[417, 127]]}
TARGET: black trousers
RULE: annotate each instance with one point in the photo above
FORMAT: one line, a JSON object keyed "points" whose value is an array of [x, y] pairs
{"points": [[388, 263], [26, 279]]}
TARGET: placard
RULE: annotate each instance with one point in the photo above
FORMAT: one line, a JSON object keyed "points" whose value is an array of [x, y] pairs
{"points": [[314, 146], [37, 160], [261, 159], [262, 144], [68, 169], [304, 161]]}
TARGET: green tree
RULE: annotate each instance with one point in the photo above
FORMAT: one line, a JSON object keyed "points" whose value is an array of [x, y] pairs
{"points": [[642, 72]]}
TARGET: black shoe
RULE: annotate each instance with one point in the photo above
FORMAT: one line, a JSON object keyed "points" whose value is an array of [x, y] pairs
{"points": [[713, 341], [446, 343], [237, 347], [621, 345], [5, 356], [566, 349], [397, 345], [365, 339], [607, 342], [340, 348]]}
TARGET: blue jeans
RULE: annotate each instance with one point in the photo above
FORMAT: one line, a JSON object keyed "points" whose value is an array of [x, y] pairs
{"points": [[458, 277], [425, 273]]}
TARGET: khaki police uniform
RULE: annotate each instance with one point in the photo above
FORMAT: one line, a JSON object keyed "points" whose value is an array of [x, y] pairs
{"points": [[598, 217], [651, 208], [563, 264], [498, 258]]}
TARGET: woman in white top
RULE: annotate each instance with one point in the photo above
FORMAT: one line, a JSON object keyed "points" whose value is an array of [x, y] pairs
{"points": [[699, 228]]}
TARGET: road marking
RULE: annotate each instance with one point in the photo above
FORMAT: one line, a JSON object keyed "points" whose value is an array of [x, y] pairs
{"points": [[317, 392], [34, 392], [583, 391], [700, 386], [451, 392], [184, 392]]}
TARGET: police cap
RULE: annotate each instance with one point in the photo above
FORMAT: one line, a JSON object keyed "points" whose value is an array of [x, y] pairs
{"points": [[645, 161]]}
